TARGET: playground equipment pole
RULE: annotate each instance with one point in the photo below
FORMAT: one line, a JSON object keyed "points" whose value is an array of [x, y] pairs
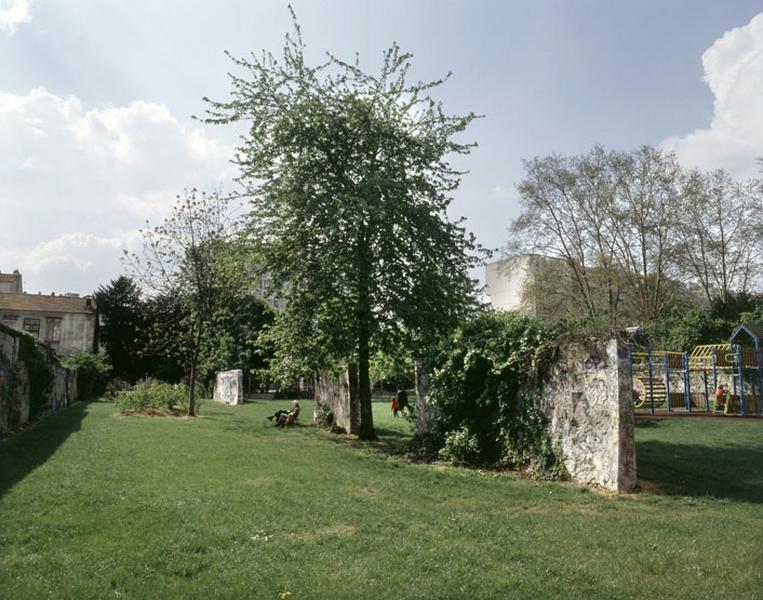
{"points": [[651, 386], [704, 380], [715, 373], [667, 380], [740, 367], [687, 383]]}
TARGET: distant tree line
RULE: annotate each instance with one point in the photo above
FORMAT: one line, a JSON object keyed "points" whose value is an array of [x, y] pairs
{"points": [[635, 235]]}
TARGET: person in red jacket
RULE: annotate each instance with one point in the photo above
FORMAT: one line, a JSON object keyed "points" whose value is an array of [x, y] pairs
{"points": [[720, 398]]}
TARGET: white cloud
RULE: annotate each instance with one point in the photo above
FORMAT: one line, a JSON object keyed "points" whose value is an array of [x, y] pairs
{"points": [[76, 184], [733, 68], [13, 13]]}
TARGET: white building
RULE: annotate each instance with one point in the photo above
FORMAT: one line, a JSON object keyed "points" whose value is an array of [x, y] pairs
{"points": [[528, 283]]}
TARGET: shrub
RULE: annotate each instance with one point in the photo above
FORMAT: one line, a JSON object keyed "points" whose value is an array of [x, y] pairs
{"points": [[153, 395], [526, 441], [93, 371], [324, 416], [461, 447], [479, 378]]}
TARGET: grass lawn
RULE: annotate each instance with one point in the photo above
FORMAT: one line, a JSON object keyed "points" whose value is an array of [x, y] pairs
{"points": [[93, 505]]}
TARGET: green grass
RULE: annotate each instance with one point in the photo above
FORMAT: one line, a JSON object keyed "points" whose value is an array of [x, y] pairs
{"points": [[93, 505]]}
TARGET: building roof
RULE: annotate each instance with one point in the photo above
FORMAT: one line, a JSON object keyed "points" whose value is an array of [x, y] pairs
{"points": [[755, 333], [47, 304], [7, 278]]}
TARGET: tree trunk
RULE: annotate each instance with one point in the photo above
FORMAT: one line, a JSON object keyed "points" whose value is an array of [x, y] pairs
{"points": [[192, 388], [366, 431], [194, 365]]}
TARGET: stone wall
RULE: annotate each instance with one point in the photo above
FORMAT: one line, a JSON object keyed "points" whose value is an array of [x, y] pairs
{"points": [[64, 387], [425, 410], [229, 387], [338, 396], [587, 399], [15, 385]]}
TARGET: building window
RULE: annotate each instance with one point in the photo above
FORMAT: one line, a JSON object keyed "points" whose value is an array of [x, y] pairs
{"points": [[32, 326], [53, 330], [9, 320]]}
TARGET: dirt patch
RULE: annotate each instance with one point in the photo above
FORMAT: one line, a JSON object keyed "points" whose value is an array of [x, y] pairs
{"points": [[154, 412]]}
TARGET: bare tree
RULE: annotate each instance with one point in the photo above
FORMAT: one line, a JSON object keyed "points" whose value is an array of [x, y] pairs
{"points": [[552, 225], [568, 204], [644, 220], [721, 240], [183, 259], [631, 227]]}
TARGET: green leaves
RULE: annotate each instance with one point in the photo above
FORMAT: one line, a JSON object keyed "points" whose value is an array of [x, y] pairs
{"points": [[348, 178], [479, 379]]}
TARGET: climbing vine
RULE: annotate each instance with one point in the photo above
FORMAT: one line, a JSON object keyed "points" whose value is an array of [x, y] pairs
{"points": [[39, 370], [484, 381]]}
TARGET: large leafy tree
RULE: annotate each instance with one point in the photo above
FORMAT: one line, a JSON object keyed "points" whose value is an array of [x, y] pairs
{"points": [[232, 341], [349, 182], [123, 315]]}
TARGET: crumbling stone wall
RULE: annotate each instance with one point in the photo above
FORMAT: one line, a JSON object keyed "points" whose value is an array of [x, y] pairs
{"points": [[15, 385], [425, 410], [229, 387], [338, 396], [59, 391], [587, 399]]}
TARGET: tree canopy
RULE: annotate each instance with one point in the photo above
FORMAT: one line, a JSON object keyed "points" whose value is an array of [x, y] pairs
{"points": [[123, 314], [635, 231], [349, 182]]}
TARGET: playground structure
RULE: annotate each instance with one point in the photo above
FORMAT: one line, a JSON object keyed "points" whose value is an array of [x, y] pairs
{"points": [[687, 381]]}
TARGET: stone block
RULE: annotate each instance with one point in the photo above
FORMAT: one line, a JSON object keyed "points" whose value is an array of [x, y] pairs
{"points": [[425, 410], [587, 399], [229, 387], [338, 395]]}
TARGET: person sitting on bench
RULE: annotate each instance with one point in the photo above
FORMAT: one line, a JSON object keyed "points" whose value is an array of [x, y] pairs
{"points": [[283, 418]]}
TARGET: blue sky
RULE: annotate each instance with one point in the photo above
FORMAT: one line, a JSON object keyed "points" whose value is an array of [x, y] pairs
{"points": [[96, 99]]}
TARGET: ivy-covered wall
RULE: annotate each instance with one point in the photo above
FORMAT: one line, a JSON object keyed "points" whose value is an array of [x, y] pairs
{"points": [[31, 380]]}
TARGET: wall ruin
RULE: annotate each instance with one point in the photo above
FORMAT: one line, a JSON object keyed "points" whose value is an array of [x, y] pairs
{"points": [[229, 387], [15, 385], [337, 396], [587, 399]]}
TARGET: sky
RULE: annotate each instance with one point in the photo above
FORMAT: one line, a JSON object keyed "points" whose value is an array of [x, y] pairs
{"points": [[97, 99]]}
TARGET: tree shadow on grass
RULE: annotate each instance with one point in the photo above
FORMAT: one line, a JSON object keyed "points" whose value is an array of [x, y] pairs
{"points": [[24, 451], [392, 435], [390, 442], [732, 472]]}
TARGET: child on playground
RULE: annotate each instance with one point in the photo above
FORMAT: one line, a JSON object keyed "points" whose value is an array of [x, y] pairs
{"points": [[394, 406], [720, 398]]}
